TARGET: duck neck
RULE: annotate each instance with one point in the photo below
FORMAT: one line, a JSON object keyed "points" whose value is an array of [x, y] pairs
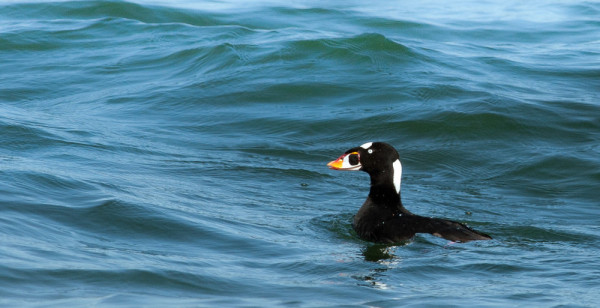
{"points": [[384, 195], [385, 185]]}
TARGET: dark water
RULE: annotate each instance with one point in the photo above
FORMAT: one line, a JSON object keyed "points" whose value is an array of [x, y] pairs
{"points": [[174, 153]]}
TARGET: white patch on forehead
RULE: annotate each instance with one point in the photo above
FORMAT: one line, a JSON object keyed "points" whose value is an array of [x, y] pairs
{"points": [[397, 174], [366, 145]]}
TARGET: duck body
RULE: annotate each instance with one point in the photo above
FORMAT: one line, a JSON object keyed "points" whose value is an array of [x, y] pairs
{"points": [[382, 217]]}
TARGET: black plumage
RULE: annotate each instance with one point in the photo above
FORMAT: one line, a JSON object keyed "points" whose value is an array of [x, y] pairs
{"points": [[382, 218]]}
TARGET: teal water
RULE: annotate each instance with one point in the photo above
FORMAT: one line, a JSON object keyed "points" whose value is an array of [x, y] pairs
{"points": [[173, 153]]}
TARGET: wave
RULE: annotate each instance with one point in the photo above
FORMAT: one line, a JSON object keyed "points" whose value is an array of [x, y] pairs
{"points": [[105, 9]]}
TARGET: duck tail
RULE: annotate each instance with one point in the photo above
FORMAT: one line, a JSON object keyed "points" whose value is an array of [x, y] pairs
{"points": [[450, 230]]}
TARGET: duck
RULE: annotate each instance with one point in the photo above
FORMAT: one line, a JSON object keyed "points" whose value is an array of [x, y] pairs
{"points": [[383, 218]]}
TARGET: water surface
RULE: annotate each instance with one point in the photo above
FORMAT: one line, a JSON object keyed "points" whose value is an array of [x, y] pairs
{"points": [[173, 153]]}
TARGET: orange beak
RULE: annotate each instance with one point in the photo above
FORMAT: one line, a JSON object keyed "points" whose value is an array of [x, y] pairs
{"points": [[339, 163], [336, 164]]}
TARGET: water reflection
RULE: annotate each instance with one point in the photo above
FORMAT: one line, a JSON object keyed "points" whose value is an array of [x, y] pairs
{"points": [[384, 256], [378, 252]]}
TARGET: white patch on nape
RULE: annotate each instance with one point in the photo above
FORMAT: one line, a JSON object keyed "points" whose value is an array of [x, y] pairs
{"points": [[366, 145], [397, 174]]}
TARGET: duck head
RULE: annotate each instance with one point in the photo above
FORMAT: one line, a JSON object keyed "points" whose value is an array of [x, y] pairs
{"points": [[379, 159]]}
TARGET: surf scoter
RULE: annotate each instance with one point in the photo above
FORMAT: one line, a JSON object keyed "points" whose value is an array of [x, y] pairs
{"points": [[383, 218]]}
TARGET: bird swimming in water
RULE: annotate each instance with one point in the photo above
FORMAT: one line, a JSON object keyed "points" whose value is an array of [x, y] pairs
{"points": [[382, 217]]}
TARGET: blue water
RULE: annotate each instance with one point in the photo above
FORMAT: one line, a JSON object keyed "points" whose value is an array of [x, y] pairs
{"points": [[174, 153]]}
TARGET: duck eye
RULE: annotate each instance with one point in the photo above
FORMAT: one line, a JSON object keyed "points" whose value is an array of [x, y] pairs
{"points": [[370, 151], [353, 159]]}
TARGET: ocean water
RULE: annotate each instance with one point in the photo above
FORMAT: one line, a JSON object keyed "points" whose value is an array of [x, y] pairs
{"points": [[173, 153]]}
